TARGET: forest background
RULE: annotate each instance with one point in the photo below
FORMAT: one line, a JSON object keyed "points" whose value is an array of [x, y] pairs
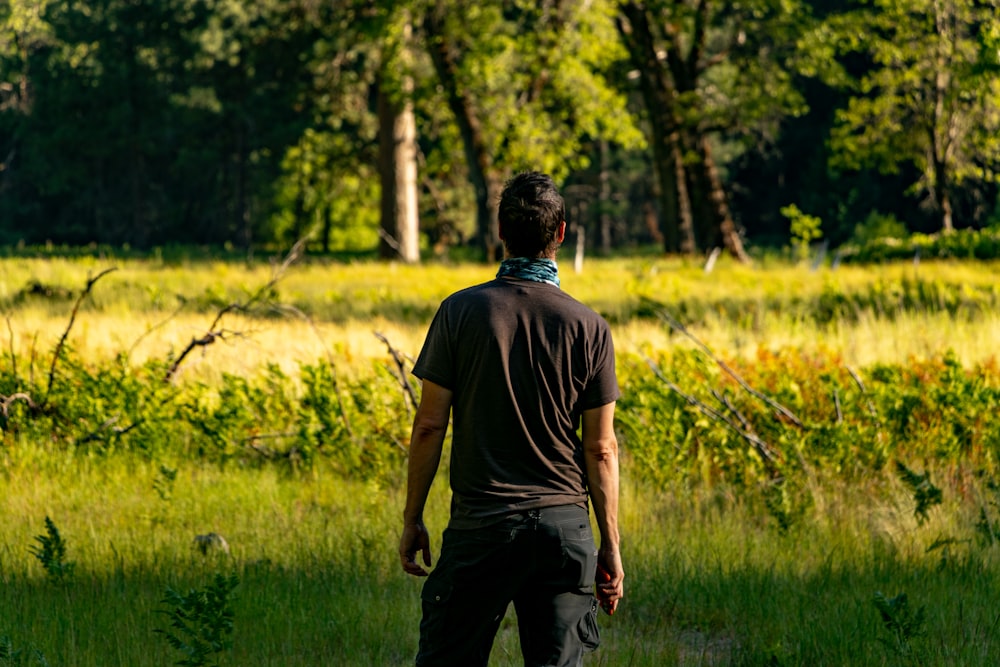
{"points": [[686, 124], [202, 459]]}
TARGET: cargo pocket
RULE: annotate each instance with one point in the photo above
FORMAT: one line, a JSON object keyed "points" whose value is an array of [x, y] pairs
{"points": [[435, 591], [437, 617], [590, 634]]}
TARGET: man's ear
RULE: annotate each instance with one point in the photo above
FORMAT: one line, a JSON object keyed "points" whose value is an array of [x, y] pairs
{"points": [[500, 230], [561, 232]]}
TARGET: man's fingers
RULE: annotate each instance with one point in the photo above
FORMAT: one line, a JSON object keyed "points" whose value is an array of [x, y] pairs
{"points": [[410, 566], [427, 556]]}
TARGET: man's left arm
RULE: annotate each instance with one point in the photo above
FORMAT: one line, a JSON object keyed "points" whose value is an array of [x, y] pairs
{"points": [[426, 443]]}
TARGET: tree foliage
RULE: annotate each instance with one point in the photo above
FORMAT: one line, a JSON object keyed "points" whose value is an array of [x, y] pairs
{"points": [[929, 94], [226, 122]]}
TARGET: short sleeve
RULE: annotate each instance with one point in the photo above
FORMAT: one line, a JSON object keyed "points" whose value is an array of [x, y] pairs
{"points": [[602, 386], [436, 360]]}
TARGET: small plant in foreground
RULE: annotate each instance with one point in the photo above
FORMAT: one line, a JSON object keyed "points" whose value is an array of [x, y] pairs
{"points": [[201, 621], [51, 553], [925, 494], [902, 622], [11, 657]]}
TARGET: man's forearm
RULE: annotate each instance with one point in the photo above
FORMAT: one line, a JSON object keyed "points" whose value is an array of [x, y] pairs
{"points": [[602, 477], [429, 427], [425, 456]]}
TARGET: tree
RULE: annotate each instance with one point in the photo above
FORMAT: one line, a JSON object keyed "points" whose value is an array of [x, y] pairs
{"points": [[709, 72], [153, 121], [929, 96], [399, 228], [525, 84]]}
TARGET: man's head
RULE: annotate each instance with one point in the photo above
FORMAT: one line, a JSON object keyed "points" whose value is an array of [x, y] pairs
{"points": [[532, 216]]}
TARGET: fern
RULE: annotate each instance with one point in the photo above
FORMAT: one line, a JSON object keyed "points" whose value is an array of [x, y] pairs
{"points": [[11, 657], [51, 553], [925, 494], [901, 621], [201, 621]]}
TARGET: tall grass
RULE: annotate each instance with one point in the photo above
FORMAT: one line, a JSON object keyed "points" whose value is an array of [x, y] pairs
{"points": [[708, 581], [713, 578], [151, 307]]}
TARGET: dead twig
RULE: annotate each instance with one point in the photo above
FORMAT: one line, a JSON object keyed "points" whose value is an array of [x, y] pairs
{"points": [[677, 326], [214, 332], [767, 456], [149, 331], [861, 385], [400, 370], [7, 401], [62, 340]]}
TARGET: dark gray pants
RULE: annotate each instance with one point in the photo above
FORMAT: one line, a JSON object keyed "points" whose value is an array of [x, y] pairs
{"points": [[543, 561]]}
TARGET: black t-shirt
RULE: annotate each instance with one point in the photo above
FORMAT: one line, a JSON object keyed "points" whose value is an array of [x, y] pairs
{"points": [[523, 360]]}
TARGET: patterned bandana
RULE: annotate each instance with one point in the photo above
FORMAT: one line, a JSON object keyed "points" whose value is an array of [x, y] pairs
{"points": [[539, 270]]}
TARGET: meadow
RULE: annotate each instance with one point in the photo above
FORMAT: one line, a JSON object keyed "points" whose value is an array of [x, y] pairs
{"points": [[809, 461]]}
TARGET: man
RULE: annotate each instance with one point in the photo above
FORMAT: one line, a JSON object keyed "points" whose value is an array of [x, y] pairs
{"points": [[520, 366]]}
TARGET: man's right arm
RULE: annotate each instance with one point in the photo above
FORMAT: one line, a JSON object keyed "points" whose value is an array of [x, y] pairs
{"points": [[429, 427], [600, 447]]}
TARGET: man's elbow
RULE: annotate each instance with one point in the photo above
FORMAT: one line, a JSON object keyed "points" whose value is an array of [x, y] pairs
{"points": [[428, 430], [602, 450]]}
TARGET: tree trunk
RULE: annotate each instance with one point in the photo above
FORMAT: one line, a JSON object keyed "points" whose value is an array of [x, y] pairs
{"points": [[659, 98], [942, 196], [720, 223], [486, 184], [399, 230]]}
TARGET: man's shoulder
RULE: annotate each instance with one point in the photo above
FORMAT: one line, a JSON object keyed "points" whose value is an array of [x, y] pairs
{"points": [[508, 292], [467, 294]]}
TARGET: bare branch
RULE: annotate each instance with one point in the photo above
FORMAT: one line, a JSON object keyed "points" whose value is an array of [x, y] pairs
{"points": [[401, 374], [214, 332], [390, 240], [763, 450], [724, 400], [65, 334], [158, 325], [861, 385], [677, 326], [7, 401]]}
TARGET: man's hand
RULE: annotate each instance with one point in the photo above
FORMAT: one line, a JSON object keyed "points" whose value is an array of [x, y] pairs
{"points": [[610, 580], [414, 539]]}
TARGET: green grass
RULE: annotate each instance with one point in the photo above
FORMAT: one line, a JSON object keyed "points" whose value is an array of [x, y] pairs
{"points": [[712, 578], [709, 581]]}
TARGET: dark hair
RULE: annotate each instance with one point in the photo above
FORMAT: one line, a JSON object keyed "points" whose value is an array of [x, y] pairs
{"points": [[531, 210]]}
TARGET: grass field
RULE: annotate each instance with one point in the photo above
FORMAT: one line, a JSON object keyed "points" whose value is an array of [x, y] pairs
{"points": [[712, 578]]}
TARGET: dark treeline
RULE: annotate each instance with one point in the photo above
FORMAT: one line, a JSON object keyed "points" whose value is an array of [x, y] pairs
{"points": [[692, 124]]}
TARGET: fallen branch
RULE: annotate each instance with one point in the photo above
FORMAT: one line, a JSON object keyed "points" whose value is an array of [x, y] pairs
{"points": [[677, 326], [861, 385], [763, 450]]}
